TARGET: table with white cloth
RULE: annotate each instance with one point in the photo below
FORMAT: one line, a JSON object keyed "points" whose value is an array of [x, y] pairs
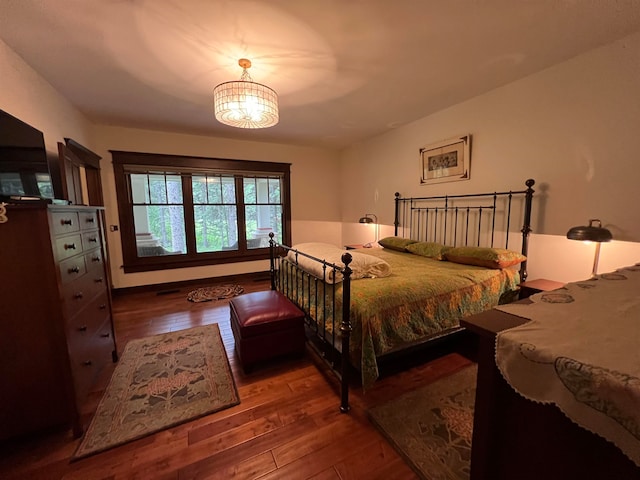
{"points": [[581, 351], [558, 389]]}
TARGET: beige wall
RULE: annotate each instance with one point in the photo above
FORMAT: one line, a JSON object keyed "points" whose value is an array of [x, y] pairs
{"points": [[573, 128], [315, 207], [27, 96], [314, 172]]}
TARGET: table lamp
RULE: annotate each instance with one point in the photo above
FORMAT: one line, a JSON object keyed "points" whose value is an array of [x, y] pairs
{"points": [[591, 233], [370, 218]]}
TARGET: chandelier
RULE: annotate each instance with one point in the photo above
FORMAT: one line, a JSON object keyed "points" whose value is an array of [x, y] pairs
{"points": [[244, 103]]}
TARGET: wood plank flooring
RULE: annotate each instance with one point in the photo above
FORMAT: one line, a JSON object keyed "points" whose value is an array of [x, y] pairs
{"points": [[287, 425]]}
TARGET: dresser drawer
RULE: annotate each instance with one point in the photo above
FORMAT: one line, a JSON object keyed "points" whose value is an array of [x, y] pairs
{"points": [[96, 272], [89, 358], [90, 240], [68, 246], [76, 295], [80, 292], [81, 328], [64, 222], [95, 277], [72, 268], [88, 220], [94, 260]]}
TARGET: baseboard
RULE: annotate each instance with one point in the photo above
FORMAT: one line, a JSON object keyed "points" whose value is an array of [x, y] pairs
{"points": [[172, 287]]}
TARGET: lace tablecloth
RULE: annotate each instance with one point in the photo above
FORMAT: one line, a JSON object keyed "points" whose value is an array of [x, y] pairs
{"points": [[581, 352]]}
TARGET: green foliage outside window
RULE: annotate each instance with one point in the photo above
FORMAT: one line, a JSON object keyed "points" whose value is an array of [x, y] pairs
{"points": [[159, 211]]}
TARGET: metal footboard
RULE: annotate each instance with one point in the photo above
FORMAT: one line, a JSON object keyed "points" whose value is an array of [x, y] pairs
{"points": [[319, 300]]}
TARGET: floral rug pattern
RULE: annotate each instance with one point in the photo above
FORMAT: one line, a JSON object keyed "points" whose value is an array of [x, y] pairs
{"points": [[162, 381], [432, 427]]}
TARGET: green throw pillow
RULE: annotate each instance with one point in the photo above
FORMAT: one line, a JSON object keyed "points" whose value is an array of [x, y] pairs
{"points": [[484, 257], [396, 243], [428, 249]]}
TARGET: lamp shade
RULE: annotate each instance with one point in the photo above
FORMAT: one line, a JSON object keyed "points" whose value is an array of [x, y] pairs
{"points": [[245, 103], [370, 218], [590, 233]]}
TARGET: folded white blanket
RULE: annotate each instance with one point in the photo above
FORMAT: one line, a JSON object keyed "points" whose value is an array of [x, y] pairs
{"points": [[362, 265]]}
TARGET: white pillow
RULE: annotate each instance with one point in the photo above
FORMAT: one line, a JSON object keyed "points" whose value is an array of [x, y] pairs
{"points": [[362, 265]]}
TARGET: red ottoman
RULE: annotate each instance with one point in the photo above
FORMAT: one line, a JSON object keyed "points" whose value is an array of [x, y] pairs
{"points": [[266, 325]]}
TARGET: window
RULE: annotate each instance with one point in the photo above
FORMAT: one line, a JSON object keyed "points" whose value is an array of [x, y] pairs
{"points": [[180, 211]]}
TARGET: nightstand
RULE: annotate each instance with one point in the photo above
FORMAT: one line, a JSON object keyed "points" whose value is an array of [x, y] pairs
{"points": [[354, 246], [531, 287]]}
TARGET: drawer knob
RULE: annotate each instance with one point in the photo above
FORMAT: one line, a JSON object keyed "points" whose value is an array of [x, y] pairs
{"points": [[69, 246], [78, 295], [65, 221], [105, 335], [93, 239], [99, 280], [95, 259], [102, 306], [87, 363], [74, 270], [91, 220], [82, 328]]}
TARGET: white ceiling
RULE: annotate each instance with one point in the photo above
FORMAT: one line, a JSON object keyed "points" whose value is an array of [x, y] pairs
{"points": [[345, 70]]}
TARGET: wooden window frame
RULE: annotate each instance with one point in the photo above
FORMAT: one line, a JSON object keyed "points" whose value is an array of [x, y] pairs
{"points": [[124, 162]]}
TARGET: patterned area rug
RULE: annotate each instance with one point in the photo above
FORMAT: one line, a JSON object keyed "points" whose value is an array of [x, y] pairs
{"points": [[159, 382], [431, 427], [219, 292]]}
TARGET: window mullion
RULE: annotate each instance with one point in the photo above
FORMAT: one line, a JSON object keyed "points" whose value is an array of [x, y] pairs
{"points": [[240, 213], [189, 215]]}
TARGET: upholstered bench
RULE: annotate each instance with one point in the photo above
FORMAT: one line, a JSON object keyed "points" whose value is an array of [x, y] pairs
{"points": [[266, 325]]}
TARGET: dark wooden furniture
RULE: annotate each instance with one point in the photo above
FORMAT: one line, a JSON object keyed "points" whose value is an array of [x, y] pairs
{"points": [[56, 331], [517, 438], [265, 325], [77, 164], [531, 287], [484, 219]]}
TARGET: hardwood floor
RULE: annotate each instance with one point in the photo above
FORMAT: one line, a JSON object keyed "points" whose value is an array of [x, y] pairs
{"points": [[287, 425]]}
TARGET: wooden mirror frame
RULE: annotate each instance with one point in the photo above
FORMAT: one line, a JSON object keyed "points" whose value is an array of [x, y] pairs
{"points": [[79, 174]]}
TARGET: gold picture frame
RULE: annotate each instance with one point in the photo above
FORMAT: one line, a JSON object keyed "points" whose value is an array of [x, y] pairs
{"points": [[446, 161]]}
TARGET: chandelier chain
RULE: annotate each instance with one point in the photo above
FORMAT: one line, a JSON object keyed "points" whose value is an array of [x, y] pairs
{"points": [[245, 77]]}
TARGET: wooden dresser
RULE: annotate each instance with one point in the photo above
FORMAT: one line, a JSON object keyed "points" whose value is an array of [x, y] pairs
{"points": [[56, 329]]}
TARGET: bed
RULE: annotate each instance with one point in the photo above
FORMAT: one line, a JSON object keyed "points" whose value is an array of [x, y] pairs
{"points": [[364, 305]]}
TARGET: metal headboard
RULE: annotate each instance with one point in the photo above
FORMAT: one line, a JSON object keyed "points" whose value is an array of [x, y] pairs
{"points": [[483, 219]]}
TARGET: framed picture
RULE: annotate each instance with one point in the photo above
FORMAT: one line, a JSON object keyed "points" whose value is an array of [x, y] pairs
{"points": [[446, 161]]}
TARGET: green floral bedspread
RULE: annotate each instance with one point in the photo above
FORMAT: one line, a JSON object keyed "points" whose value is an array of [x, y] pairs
{"points": [[421, 298]]}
